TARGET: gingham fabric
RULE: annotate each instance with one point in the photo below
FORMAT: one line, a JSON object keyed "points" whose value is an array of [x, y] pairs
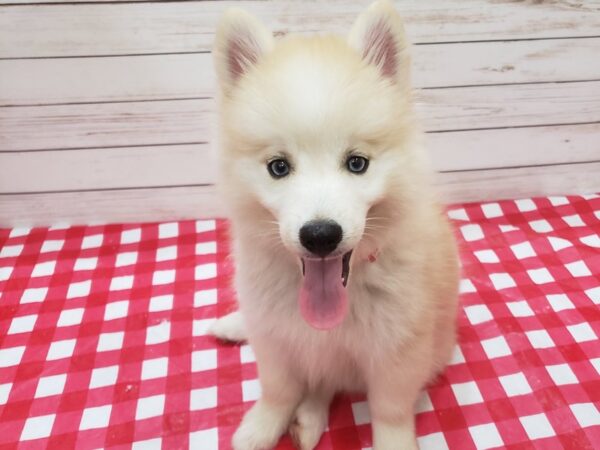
{"points": [[103, 337]]}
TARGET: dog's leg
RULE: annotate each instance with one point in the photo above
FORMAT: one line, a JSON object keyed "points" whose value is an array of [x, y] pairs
{"points": [[229, 328], [394, 436], [270, 416], [311, 420], [392, 421], [392, 392]]}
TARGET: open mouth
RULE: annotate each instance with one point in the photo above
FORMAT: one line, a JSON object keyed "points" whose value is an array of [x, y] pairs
{"points": [[323, 297], [345, 267]]}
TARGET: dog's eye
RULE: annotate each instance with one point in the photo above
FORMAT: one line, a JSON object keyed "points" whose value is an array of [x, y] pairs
{"points": [[278, 168], [357, 164]]}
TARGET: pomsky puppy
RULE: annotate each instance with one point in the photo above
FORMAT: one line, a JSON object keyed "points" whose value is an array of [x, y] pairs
{"points": [[346, 267]]}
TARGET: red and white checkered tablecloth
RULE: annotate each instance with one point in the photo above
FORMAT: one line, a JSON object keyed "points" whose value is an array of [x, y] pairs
{"points": [[103, 337]]}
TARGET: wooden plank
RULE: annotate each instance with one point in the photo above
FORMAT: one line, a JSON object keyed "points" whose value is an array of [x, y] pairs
{"points": [[191, 75], [186, 121], [106, 168], [506, 183], [510, 147], [508, 106], [506, 62], [106, 124], [193, 164], [175, 27], [105, 79], [115, 206], [140, 205]]}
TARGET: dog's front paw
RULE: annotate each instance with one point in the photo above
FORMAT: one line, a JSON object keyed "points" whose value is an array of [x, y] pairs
{"points": [[229, 328], [260, 429], [309, 423], [248, 437]]}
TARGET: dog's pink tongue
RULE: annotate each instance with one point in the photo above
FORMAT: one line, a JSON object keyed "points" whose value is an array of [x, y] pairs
{"points": [[323, 298]]}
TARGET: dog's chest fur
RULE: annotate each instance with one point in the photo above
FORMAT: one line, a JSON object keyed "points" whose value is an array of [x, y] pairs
{"points": [[338, 359]]}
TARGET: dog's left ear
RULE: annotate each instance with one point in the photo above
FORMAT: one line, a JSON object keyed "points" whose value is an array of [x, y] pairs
{"points": [[240, 43], [378, 35]]}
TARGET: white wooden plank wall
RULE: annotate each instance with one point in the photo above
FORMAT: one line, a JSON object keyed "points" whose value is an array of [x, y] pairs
{"points": [[107, 111]]}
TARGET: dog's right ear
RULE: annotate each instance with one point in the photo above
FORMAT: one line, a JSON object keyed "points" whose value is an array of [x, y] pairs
{"points": [[240, 42]]}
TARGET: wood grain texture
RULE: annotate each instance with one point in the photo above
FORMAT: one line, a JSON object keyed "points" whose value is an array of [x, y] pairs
{"points": [[105, 79], [186, 121], [191, 75], [115, 206], [107, 124], [509, 106], [109, 105], [176, 27], [514, 147], [499, 184], [106, 168]]}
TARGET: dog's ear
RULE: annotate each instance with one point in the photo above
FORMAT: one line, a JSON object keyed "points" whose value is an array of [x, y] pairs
{"points": [[241, 40], [378, 35]]}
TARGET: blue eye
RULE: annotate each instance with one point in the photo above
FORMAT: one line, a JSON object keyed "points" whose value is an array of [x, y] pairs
{"points": [[357, 164], [278, 168]]}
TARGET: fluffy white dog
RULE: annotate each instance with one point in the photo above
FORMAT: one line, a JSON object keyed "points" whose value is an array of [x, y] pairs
{"points": [[347, 272]]}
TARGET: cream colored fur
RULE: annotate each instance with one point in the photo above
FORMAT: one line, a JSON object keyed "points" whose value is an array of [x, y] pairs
{"points": [[311, 99]]}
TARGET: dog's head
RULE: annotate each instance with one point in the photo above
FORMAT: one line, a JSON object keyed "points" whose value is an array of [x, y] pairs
{"points": [[317, 133]]}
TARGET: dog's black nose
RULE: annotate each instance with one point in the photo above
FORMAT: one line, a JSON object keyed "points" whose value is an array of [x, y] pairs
{"points": [[320, 237]]}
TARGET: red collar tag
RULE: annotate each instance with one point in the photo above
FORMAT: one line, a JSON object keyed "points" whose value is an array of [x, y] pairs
{"points": [[373, 256]]}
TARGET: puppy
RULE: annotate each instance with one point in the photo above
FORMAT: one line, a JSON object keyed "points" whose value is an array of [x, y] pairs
{"points": [[346, 267]]}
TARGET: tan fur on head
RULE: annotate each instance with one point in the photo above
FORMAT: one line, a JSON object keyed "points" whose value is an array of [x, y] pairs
{"points": [[314, 101], [315, 94]]}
